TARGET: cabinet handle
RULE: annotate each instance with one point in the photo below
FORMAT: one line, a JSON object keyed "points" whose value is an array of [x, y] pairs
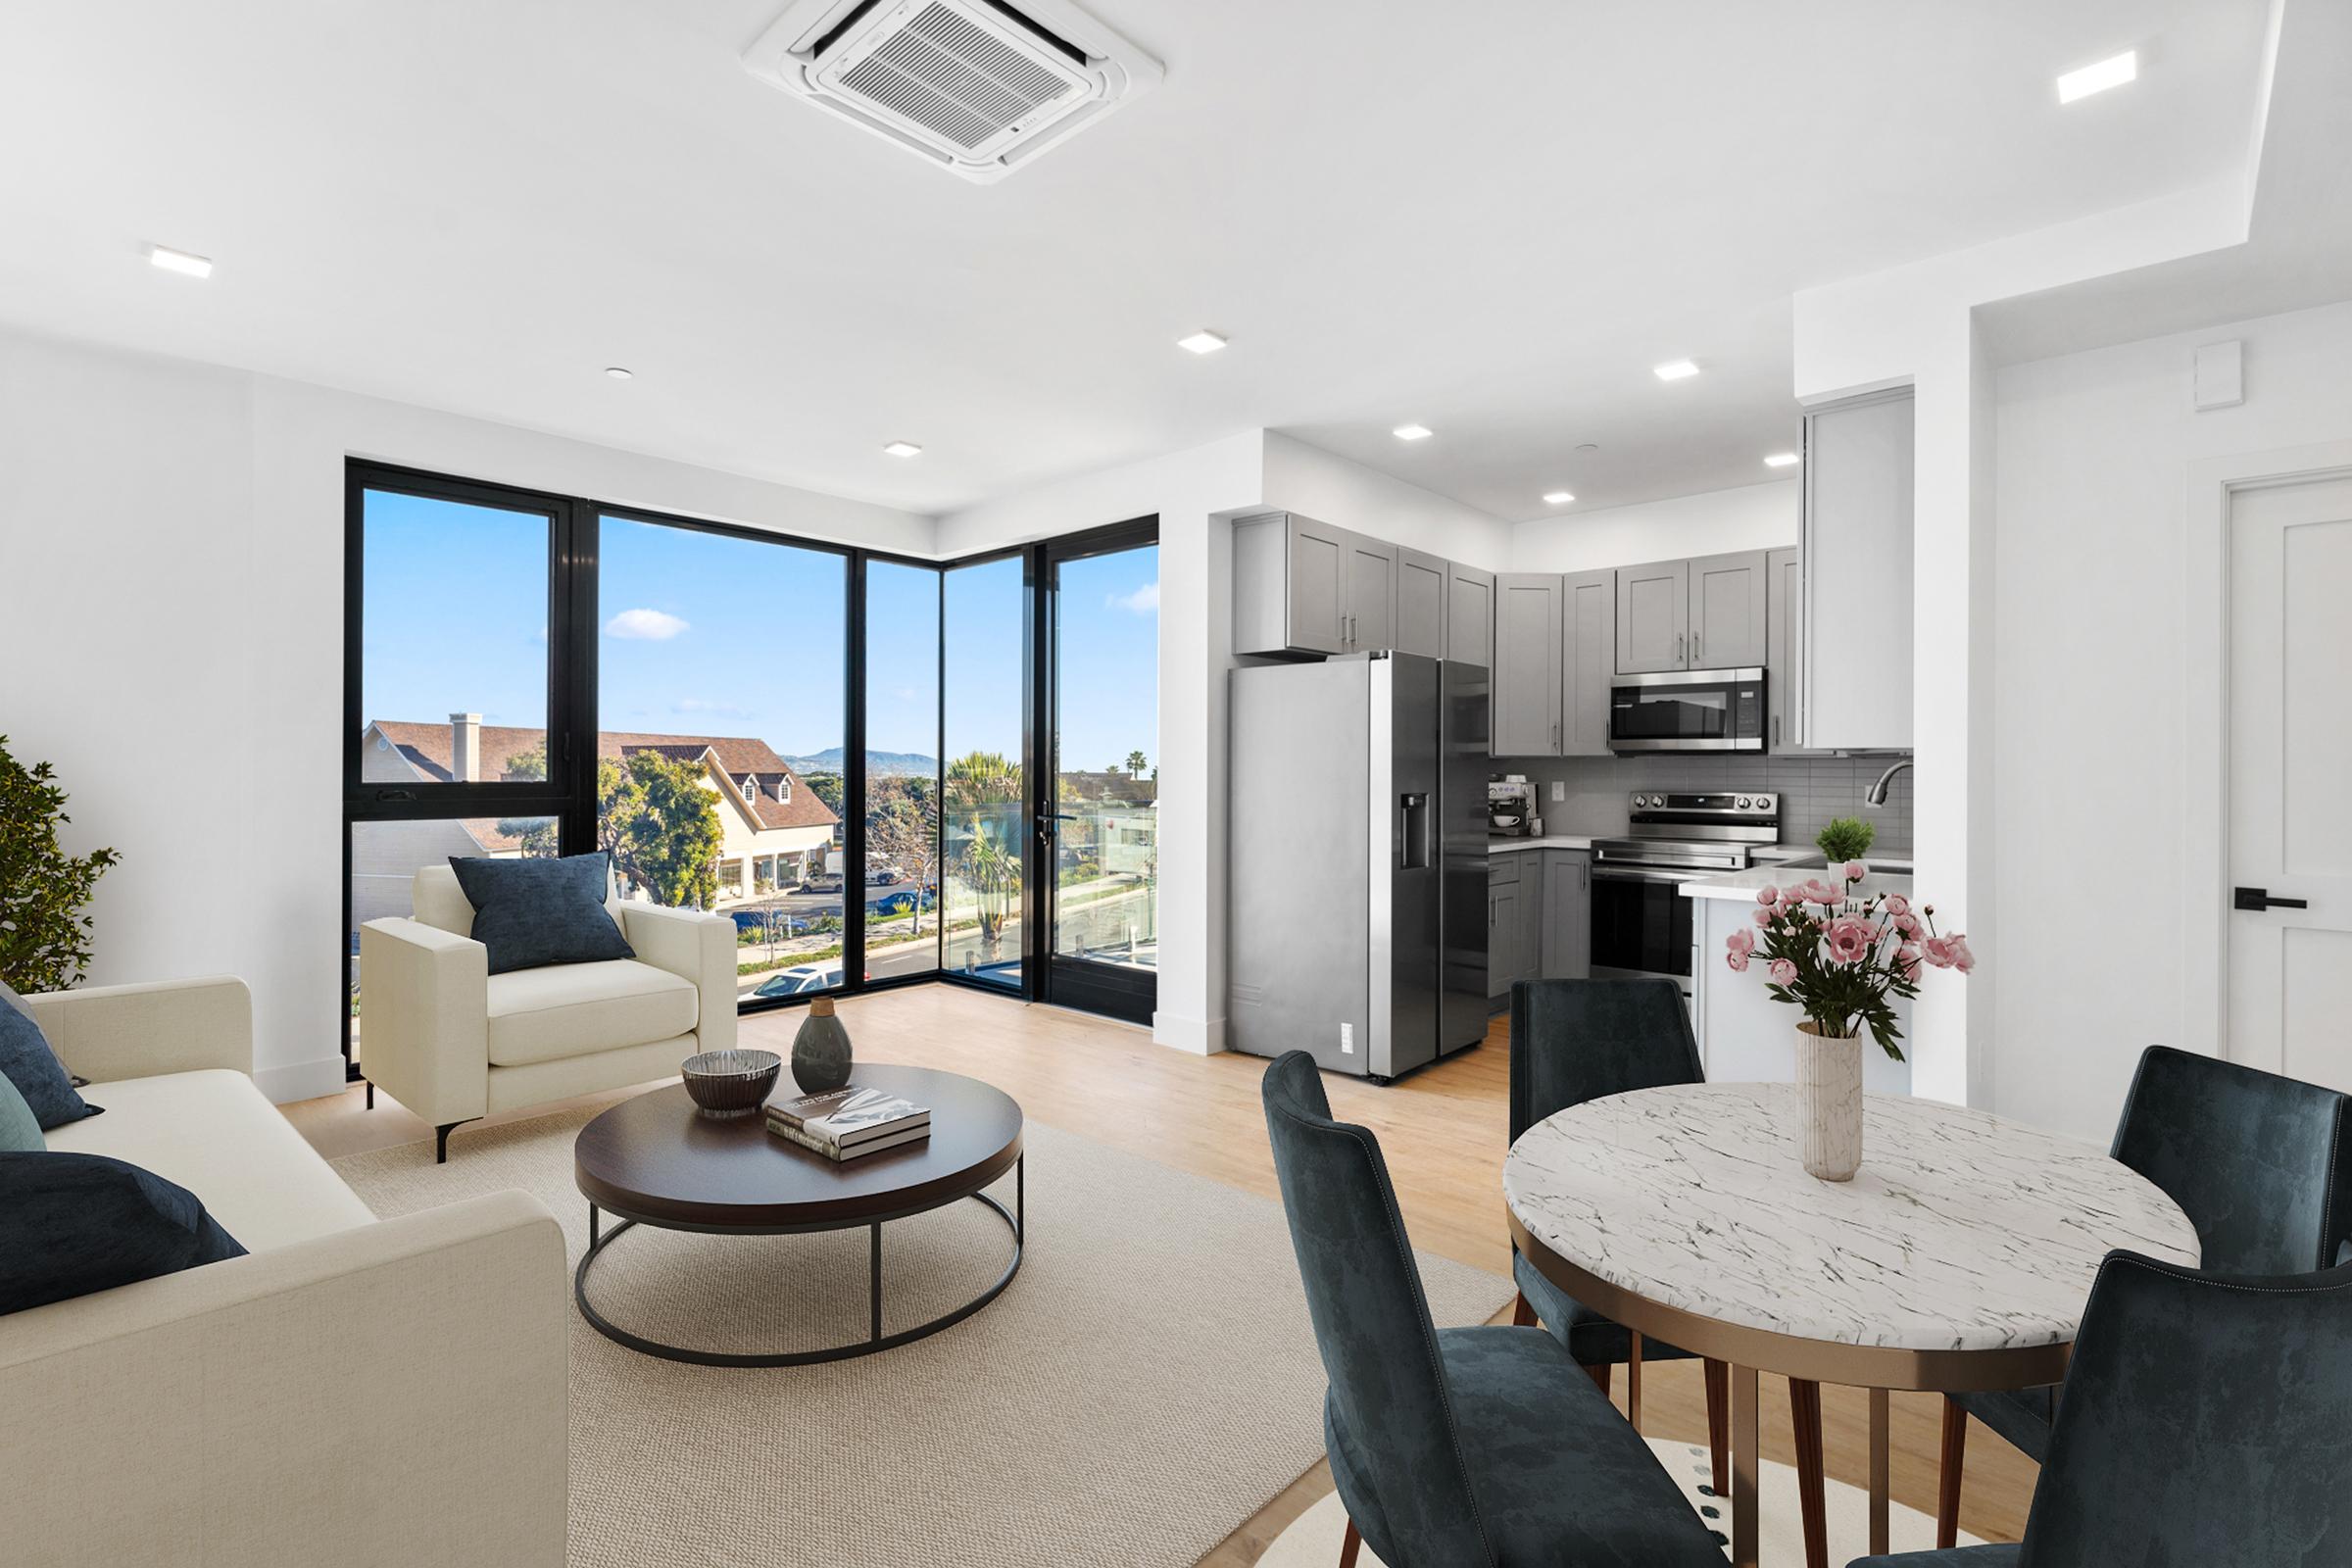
{"points": [[1677, 649], [1776, 729], [1695, 648], [1352, 631]]}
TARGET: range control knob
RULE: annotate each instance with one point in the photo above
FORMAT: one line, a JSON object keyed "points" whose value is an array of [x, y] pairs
{"points": [[1657, 800], [1742, 803]]}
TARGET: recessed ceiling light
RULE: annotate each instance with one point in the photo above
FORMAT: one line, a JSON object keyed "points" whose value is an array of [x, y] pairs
{"points": [[2099, 77], [619, 372], [1411, 432], [1676, 370], [1557, 497], [1781, 460], [1202, 342], [901, 449], [171, 261]]}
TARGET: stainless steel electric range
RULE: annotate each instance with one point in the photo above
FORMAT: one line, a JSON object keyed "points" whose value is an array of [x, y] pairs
{"points": [[1640, 922]]}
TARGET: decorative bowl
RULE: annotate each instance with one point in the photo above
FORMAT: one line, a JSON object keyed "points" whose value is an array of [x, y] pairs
{"points": [[727, 1084]]}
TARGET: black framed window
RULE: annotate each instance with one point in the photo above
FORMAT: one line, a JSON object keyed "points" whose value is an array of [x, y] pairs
{"points": [[849, 753]]}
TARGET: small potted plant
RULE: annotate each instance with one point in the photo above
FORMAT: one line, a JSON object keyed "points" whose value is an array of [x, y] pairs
{"points": [[1841, 958], [1847, 838]]}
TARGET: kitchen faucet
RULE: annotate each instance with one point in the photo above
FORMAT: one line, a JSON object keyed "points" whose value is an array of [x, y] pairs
{"points": [[1876, 795]]}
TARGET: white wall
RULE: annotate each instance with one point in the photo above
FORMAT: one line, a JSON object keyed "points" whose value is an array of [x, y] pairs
{"points": [[170, 585], [1318, 484], [2089, 664], [1752, 517]]}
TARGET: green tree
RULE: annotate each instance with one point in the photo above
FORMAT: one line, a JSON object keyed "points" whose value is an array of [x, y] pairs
{"points": [[829, 788], [1135, 764], [671, 836], [984, 799], [44, 934], [901, 826]]}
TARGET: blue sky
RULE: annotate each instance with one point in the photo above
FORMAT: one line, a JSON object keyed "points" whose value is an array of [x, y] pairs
{"points": [[705, 634]]}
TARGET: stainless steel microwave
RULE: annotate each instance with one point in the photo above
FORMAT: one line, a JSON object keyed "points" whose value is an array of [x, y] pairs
{"points": [[1687, 710]]}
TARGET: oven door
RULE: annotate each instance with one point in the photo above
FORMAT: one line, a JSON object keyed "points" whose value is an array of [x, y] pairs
{"points": [[1687, 710], [1641, 922]]}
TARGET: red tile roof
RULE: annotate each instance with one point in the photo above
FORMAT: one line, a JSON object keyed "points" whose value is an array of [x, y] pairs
{"points": [[427, 748]]}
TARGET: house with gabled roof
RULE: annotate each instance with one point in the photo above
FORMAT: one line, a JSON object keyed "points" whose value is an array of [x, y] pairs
{"points": [[776, 828]]}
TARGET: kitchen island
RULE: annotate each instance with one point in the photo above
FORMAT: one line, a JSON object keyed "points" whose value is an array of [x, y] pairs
{"points": [[1743, 1035]]}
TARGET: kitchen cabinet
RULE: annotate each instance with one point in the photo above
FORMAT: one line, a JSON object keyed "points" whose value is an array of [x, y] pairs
{"points": [[1654, 618], [1588, 660], [1371, 606], [1470, 615], [1784, 598], [1514, 919], [1303, 587], [1726, 610], [1421, 593], [1567, 935], [1852, 643], [1527, 664]]}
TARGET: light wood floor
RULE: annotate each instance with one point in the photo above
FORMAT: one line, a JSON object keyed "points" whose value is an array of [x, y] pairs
{"points": [[1443, 1130]]}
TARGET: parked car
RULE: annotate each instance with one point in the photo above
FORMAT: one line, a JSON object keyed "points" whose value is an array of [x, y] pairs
{"points": [[902, 902], [881, 876], [800, 978], [821, 882]]}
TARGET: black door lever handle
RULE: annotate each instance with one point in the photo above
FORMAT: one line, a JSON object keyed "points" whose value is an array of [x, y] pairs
{"points": [[2260, 899]]}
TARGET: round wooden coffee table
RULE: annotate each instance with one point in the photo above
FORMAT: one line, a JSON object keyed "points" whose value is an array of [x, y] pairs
{"points": [[654, 1161]]}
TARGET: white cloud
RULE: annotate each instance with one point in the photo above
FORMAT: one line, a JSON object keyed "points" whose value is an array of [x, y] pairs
{"points": [[1145, 601], [644, 625]]}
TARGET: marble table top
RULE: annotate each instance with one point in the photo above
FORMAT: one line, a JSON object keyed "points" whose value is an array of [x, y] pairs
{"points": [[1961, 1232]]}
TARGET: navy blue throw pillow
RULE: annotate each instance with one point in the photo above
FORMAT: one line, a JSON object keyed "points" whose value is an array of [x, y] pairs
{"points": [[29, 1064], [531, 913], [70, 1224]]}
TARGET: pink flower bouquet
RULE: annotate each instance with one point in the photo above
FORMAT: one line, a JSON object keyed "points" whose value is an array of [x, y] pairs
{"points": [[1841, 957]]}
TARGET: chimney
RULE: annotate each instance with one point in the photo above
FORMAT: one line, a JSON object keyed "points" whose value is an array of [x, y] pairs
{"points": [[465, 748]]}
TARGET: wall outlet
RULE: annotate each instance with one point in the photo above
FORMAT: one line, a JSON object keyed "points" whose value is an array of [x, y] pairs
{"points": [[1559, 789], [1348, 1040]]}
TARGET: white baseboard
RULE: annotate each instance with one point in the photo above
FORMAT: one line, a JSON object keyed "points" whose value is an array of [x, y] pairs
{"points": [[301, 1080], [1202, 1037]]}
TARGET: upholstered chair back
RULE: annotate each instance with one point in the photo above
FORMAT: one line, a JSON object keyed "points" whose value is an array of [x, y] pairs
{"points": [[436, 899], [1388, 1399], [2203, 1423], [2256, 1161], [1578, 1040]]}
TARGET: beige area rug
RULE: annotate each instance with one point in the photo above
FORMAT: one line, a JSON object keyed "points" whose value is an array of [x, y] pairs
{"points": [[1146, 1384], [1314, 1539]]}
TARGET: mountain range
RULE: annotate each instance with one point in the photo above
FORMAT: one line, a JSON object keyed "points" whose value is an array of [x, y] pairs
{"points": [[880, 765]]}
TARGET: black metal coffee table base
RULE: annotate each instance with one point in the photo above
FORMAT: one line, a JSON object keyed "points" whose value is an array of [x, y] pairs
{"points": [[599, 1239]]}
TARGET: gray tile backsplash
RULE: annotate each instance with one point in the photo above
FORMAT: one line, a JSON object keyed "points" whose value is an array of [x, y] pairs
{"points": [[1812, 790]]}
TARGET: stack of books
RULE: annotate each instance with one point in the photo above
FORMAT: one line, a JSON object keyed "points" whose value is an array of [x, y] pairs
{"points": [[845, 1123]]}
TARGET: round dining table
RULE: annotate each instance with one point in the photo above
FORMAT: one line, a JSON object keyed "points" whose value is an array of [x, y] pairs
{"points": [[1960, 1257]]}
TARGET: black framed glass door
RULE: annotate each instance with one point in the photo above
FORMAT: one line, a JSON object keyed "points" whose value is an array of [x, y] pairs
{"points": [[1095, 779]]}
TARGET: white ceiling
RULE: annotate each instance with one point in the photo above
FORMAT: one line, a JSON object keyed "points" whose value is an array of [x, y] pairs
{"points": [[477, 207]]}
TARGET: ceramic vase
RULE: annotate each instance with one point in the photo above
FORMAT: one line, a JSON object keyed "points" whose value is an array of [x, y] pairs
{"points": [[820, 1052], [1829, 1103]]}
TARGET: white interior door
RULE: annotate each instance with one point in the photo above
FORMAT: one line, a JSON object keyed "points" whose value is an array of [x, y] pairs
{"points": [[2290, 780]]}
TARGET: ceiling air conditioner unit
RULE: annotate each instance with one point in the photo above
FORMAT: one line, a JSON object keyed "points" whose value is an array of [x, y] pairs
{"points": [[976, 86]]}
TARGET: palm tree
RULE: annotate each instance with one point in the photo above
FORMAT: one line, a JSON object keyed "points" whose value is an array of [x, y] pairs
{"points": [[984, 795], [1135, 764]]}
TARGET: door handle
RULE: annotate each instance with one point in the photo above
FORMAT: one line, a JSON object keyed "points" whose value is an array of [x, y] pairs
{"points": [[2260, 899]]}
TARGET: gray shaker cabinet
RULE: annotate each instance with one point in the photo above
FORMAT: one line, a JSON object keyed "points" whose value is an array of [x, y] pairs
{"points": [[1305, 587], [1726, 610], [1371, 604], [1567, 937], [1654, 618], [1527, 664], [1422, 588], [1588, 660], [1470, 615], [1514, 919], [1784, 598]]}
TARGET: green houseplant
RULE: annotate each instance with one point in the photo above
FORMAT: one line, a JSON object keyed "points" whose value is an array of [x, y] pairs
{"points": [[44, 933], [1847, 838]]}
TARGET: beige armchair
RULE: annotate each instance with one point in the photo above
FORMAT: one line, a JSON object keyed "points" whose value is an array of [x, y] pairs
{"points": [[453, 1041]]}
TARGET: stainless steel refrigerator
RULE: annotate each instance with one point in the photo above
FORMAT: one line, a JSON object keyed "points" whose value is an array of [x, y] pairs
{"points": [[1357, 871]]}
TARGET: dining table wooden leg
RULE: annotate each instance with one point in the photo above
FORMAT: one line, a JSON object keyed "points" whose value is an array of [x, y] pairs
{"points": [[1877, 1472], [1804, 1419], [1632, 1383], [1719, 1425], [1743, 1467], [1947, 1490]]}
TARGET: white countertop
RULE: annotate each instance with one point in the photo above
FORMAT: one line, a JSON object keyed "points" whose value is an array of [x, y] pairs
{"points": [[1499, 845], [1963, 1232], [1744, 884]]}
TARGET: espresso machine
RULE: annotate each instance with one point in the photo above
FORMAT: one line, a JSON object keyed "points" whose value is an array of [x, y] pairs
{"points": [[1510, 807]]}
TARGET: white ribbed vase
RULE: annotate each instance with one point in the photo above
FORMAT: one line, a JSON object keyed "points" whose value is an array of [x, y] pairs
{"points": [[1829, 1103]]}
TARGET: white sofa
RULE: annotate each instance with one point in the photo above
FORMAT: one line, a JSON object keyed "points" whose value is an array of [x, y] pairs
{"points": [[453, 1041], [351, 1392]]}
